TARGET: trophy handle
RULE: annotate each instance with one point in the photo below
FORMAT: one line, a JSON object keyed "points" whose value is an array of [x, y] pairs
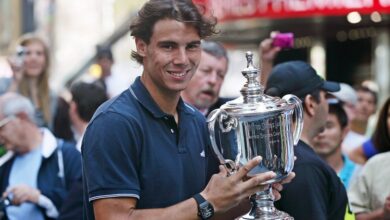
{"points": [[298, 114], [225, 123]]}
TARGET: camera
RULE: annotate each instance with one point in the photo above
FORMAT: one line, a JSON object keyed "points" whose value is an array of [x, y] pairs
{"points": [[283, 40]]}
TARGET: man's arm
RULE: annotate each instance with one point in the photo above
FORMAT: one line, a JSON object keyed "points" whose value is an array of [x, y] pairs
{"points": [[382, 213], [267, 54], [222, 192]]}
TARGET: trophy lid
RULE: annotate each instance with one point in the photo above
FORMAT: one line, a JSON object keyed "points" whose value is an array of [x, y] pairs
{"points": [[253, 100]]}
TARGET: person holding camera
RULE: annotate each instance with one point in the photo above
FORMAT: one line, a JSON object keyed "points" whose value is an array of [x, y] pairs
{"points": [[31, 77]]}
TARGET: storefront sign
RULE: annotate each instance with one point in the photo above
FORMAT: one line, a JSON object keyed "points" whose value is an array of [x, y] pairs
{"points": [[236, 9]]}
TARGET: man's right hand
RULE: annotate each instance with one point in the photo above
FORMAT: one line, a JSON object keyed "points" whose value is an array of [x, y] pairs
{"points": [[225, 192]]}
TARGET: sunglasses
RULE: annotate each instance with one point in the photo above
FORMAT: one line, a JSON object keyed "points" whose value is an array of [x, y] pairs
{"points": [[6, 120]]}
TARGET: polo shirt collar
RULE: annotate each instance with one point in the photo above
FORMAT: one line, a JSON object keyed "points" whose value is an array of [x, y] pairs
{"points": [[139, 91]]}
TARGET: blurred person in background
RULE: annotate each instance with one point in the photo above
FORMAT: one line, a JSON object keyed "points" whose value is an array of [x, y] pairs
{"points": [[204, 88], [86, 98], [327, 144], [379, 141], [62, 126], [105, 60], [349, 100], [321, 193], [365, 108], [31, 78], [369, 195], [37, 177]]}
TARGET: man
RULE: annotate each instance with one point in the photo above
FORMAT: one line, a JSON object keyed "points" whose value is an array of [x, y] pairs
{"points": [[203, 89], [349, 100], [42, 169], [316, 192], [327, 144], [105, 60], [366, 107], [145, 152], [86, 98], [370, 193]]}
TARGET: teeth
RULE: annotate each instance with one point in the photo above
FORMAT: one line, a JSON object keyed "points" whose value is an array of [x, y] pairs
{"points": [[177, 74]]}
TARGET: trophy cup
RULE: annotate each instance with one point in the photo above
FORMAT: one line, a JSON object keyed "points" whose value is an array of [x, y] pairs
{"points": [[256, 124]]}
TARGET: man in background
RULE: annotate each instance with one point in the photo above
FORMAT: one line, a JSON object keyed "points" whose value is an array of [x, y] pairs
{"points": [[327, 144], [86, 98], [316, 192], [349, 101], [203, 89]]}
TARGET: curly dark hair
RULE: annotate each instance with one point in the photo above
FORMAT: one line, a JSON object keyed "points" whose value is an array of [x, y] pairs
{"points": [[181, 10], [380, 137]]}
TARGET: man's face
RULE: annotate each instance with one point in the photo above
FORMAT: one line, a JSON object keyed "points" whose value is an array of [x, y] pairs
{"points": [[8, 131], [203, 89], [171, 57], [366, 106], [329, 141], [105, 64]]}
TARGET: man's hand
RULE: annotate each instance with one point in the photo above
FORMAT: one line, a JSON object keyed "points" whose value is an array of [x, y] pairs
{"points": [[225, 192], [22, 193], [267, 54]]}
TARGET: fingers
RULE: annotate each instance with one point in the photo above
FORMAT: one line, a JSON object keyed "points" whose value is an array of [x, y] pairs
{"points": [[244, 170], [288, 179], [276, 194], [256, 183]]}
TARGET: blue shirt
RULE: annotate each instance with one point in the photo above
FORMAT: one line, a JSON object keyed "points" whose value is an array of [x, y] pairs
{"points": [[347, 172], [24, 171], [131, 148]]}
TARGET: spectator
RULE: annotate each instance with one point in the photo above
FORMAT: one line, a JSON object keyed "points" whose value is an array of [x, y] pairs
{"points": [[86, 98], [32, 80], [203, 89], [320, 191], [370, 193], [380, 140], [327, 144], [366, 107], [39, 175], [348, 97]]}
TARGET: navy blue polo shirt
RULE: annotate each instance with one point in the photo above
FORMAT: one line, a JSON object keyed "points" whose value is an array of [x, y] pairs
{"points": [[133, 149]]}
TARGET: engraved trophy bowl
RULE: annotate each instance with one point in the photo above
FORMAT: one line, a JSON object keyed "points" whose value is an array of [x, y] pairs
{"points": [[257, 125]]}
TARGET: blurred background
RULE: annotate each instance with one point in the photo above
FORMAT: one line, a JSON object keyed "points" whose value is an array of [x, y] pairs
{"points": [[345, 40]]}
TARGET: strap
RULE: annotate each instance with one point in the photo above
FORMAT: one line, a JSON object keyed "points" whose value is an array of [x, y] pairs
{"points": [[60, 158], [199, 199]]}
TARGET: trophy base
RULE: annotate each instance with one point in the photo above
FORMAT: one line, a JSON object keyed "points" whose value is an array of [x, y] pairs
{"points": [[274, 215]]}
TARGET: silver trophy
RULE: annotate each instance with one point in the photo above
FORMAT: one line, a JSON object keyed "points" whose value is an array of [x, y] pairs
{"points": [[256, 124]]}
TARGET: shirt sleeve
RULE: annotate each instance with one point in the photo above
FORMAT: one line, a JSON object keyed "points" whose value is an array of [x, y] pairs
{"points": [[358, 193], [110, 154], [369, 149]]}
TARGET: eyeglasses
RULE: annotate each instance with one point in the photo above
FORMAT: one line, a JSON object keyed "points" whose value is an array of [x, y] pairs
{"points": [[6, 120]]}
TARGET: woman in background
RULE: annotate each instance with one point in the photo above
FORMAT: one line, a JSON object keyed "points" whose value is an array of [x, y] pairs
{"points": [[31, 78], [380, 140]]}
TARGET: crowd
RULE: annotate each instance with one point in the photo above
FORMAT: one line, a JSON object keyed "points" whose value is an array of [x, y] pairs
{"points": [[145, 154]]}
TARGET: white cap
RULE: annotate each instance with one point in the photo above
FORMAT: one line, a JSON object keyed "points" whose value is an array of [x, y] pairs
{"points": [[346, 94]]}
